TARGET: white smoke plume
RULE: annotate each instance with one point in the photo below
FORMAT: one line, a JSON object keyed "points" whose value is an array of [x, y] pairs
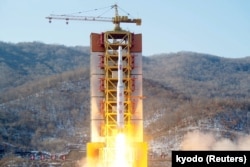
{"points": [[197, 140]]}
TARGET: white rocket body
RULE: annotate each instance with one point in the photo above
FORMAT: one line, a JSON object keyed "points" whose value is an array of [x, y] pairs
{"points": [[120, 92]]}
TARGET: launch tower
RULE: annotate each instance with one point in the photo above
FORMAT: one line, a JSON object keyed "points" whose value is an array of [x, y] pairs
{"points": [[104, 78], [116, 95]]}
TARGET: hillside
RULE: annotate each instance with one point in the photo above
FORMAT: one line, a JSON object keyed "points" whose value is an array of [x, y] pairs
{"points": [[189, 72], [52, 110], [44, 97], [201, 74], [28, 61]]}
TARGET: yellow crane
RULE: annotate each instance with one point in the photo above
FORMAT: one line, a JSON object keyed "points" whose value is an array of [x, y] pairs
{"points": [[117, 19]]}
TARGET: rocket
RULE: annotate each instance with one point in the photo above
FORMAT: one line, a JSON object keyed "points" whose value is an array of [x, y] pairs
{"points": [[120, 92]]}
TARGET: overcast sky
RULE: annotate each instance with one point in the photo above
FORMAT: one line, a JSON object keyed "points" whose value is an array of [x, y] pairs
{"points": [[218, 27]]}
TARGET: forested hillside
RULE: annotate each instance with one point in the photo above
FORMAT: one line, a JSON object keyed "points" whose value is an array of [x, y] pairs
{"points": [[47, 114], [201, 74], [23, 62], [44, 96], [189, 72]]}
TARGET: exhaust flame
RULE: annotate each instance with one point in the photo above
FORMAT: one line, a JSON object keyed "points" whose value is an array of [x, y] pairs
{"points": [[121, 152]]}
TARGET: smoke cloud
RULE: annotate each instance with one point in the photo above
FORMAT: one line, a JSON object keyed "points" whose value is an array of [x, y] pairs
{"points": [[208, 141]]}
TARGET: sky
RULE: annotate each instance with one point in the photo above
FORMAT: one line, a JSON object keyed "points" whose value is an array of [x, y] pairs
{"points": [[217, 27]]}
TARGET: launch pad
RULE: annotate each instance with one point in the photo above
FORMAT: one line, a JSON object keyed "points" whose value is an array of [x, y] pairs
{"points": [[116, 103]]}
